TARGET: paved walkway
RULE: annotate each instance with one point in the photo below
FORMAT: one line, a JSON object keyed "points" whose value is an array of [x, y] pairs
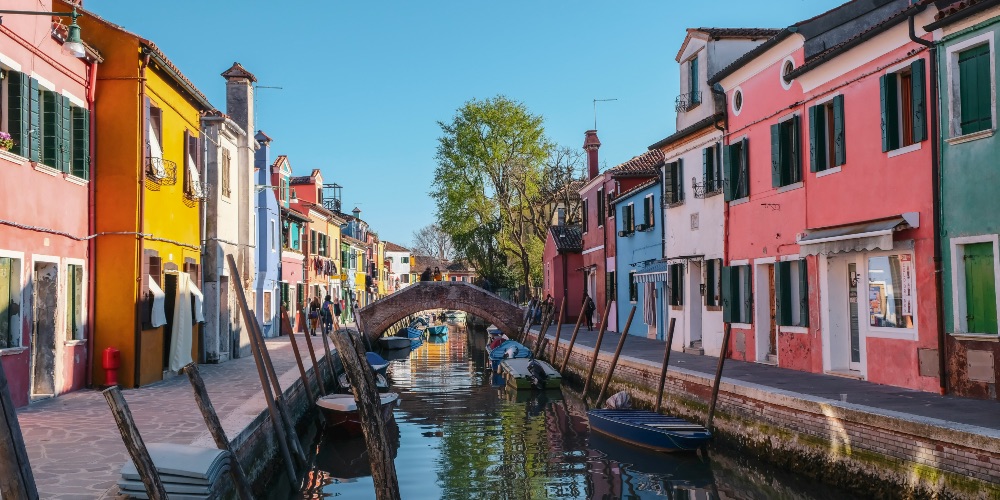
{"points": [[952, 411], [73, 443]]}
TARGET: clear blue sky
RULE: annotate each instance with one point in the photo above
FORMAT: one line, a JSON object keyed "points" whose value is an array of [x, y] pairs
{"points": [[365, 82]]}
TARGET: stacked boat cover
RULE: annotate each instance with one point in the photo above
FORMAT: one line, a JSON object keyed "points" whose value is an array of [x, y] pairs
{"points": [[187, 472]]}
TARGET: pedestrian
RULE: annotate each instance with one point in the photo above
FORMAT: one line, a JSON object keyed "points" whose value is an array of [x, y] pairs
{"points": [[437, 274], [327, 314], [588, 310], [426, 275], [314, 308]]}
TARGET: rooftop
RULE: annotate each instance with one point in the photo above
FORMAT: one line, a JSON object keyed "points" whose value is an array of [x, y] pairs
{"points": [[567, 238], [645, 164]]}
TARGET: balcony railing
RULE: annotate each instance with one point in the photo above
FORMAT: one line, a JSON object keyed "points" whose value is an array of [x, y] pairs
{"points": [[687, 101], [706, 188], [161, 171]]}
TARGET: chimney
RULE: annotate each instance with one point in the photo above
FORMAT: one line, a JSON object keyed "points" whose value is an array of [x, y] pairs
{"points": [[239, 96], [262, 158], [356, 212], [591, 144]]}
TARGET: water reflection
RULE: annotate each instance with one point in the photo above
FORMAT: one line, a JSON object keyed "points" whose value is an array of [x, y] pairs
{"points": [[460, 433]]}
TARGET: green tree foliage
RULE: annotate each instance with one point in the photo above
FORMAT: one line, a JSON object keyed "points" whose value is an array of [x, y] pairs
{"points": [[491, 159]]}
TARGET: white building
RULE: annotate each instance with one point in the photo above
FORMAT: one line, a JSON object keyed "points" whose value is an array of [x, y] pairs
{"points": [[399, 266], [693, 185]]}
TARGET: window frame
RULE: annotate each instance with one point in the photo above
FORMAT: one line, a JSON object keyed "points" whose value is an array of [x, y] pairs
{"points": [[601, 207], [952, 53], [786, 162], [586, 216], [740, 170], [826, 119], [673, 183], [17, 291], [909, 333]]}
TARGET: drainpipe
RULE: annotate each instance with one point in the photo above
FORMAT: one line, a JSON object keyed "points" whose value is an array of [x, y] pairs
{"points": [[137, 313], [91, 223], [936, 196]]}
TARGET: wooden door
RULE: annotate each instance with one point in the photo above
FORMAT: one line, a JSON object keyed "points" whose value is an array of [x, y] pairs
{"points": [[980, 288]]}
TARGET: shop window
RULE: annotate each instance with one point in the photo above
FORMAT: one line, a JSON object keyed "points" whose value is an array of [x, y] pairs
{"points": [[975, 93], [891, 297], [713, 273], [826, 135], [737, 296], [676, 275], [904, 115], [673, 184], [633, 288], [978, 303], [711, 170], [736, 167], [791, 290], [785, 167], [10, 302]]}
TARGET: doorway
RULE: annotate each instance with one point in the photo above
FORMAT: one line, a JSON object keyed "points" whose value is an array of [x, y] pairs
{"points": [[772, 308], [170, 300], [694, 293], [845, 345], [225, 323], [43, 334]]}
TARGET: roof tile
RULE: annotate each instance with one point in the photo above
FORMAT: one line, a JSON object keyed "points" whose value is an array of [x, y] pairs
{"points": [[567, 238]]}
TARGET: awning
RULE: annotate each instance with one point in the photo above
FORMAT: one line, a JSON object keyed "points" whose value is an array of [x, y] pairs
{"points": [[656, 271], [158, 315], [870, 235]]}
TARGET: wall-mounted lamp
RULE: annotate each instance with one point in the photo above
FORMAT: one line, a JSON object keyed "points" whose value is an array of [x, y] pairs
{"points": [[73, 45]]}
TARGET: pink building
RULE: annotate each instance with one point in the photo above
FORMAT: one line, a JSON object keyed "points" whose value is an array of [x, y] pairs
{"points": [[829, 186], [44, 258], [561, 259]]}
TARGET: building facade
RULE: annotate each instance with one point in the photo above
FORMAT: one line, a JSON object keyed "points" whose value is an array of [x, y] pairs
{"points": [[561, 260], [399, 266], [267, 244], [639, 248]]}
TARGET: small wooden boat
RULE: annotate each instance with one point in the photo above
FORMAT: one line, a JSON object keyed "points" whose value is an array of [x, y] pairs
{"points": [[393, 342], [525, 373], [437, 330], [411, 332], [378, 363], [421, 321], [437, 339], [509, 349], [381, 383], [648, 429], [341, 410]]}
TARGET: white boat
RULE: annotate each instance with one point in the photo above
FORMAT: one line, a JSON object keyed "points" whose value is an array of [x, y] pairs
{"points": [[341, 410], [392, 342]]}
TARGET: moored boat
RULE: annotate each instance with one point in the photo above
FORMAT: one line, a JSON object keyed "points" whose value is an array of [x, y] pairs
{"points": [[509, 349], [525, 373], [648, 429], [437, 330], [341, 410], [378, 363], [392, 342]]}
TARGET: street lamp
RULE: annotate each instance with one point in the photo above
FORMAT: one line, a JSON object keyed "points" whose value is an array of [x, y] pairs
{"points": [[73, 45]]}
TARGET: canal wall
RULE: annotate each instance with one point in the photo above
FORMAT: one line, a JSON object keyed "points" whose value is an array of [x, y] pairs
{"points": [[869, 451]]}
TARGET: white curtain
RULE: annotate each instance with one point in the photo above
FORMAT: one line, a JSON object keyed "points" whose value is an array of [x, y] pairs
{"points": [[649, 304], [158, 317], [199, 303], [181, 336]]}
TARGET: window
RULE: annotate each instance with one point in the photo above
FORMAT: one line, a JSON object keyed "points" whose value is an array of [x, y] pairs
{"points": [[404, 278], [904, 119], [226, 191], [80, 166], [676, 275], [786, 69], [891, 291], [648, 214], [454, 278], [57, 129], [312, 241], [274, 234], [711, 170], [737, 101], [826, 135], [285, 298], [736, 167], [296, 232], [974, 92], [405, 260], [633, 288], [561, 216], [600, 207], [673, 185], [74, 302], [791, 292], [10, 293], [610, 286], [22, 92], [586, 216], [300, 294], [713, 268], [785, 168], [693, 83], [737, 297]]}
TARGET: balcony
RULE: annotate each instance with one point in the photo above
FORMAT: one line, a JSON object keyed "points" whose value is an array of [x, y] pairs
{"points": [[685, 102], [708, 188], [163, 172]]}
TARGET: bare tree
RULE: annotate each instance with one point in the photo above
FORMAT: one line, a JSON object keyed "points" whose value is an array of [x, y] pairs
{"points": [[431, 240]]}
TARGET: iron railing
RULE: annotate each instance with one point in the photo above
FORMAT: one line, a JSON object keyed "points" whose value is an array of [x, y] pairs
{"points": [[687, 101], [161, 171]]}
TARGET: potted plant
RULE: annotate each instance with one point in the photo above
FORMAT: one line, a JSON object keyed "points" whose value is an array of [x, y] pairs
{"points": [[6, 142]]}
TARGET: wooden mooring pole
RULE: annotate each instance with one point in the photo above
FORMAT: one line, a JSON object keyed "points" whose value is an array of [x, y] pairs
{"points": [[316, 371], [666, 361], [542, 333], [16, 479], [218, 434], [134, 444], [559, 324], [555, 343], [718, 375], [572, 339], [614, 360], [279, 395], [302, 368], [597, 349]]}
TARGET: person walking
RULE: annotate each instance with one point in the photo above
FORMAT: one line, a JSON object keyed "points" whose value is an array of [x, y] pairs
{"points": [[588, 311], [437, 274], [426, 275], [327, 315], [314, 307]]}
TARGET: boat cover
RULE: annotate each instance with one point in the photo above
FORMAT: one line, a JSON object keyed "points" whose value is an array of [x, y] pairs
{"points": [[346, 403], [510, 349]]}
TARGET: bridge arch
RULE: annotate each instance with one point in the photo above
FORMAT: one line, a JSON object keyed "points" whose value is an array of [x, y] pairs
{"points": [[378, 316]]}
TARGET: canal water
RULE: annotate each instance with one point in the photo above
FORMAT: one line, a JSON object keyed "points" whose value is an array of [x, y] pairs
{"points": [[458, 433]]}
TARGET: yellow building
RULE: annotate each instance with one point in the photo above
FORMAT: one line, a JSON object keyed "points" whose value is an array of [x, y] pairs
{"points": [[148, 205], [380, 268]]}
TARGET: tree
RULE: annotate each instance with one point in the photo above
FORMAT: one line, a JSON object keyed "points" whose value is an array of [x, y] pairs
{"points": [[489, 172], [562, 178], [431, 240]]}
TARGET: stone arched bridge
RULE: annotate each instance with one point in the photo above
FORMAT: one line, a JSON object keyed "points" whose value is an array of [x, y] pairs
{"points": [[378, 316]]}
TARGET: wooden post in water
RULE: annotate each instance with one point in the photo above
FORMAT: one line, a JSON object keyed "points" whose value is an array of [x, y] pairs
{"points": [[614, 360], [559, 323], [369, 411], [316, 371], [666, 361], [257, 337], [541, 334], [215, 428], [18, 483], [555, 344], [302, 368], [597, 350], [718, 375], [134, 444], [572, 339], [329, 356], [277, 421]]}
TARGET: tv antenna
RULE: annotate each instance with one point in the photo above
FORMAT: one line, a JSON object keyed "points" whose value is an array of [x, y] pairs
{"points": [[595, 109], [255, 87]]}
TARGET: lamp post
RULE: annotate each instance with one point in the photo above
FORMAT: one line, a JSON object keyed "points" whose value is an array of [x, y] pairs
{"points": [[73, 45]]}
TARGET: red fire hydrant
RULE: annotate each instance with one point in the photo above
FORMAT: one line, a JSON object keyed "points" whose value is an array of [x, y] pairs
{"points": [[112, 360]]}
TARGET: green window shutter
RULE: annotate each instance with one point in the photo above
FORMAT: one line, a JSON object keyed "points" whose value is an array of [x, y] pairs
{"points": [[919, 107], [693, 81], [679, 288], [51, 129], [744, 173], [980, 288], [795, 162], [710, 290], [706, 169], [747, 294], [19, 111], [776, 155], [668, 183], [66, 136], [5, 302], [803, 293], [81, 142], [680, 179], [975, 92], [631, 288], [645, 211], [890, 121], [839, 141], [35, 139], [729, 181], [816, 157], [728, 300], [783, 292]]}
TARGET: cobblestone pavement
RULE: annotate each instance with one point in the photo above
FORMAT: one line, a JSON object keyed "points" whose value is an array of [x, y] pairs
{"points": [[73, 443], [949, 411]]}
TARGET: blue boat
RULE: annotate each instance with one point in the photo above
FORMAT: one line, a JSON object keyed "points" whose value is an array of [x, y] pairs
{"points": [[509, 349], [378, 363], [648, 429], [437, 339], [411, 333], [437, 330], [419, 321]]}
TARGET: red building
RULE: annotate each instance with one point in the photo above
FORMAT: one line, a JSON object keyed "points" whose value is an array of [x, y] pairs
{"points": [[829, 186], [561, 260], [45, 261]]}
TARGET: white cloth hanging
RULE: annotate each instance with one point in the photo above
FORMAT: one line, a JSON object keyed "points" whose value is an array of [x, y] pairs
{"points": [[181, 337], [198, 303], [158, 316], [649, 304]]}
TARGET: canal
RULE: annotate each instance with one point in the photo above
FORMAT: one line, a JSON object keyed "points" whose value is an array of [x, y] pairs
{"points": [[458, 433]]}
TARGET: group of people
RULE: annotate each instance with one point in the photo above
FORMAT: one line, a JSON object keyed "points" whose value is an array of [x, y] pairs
{"points": [[537, 309], [429, 275], [325, 312]]}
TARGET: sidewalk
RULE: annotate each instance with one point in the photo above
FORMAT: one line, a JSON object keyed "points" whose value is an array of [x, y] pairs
{"points": [[73, 443], [944, 411]]}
